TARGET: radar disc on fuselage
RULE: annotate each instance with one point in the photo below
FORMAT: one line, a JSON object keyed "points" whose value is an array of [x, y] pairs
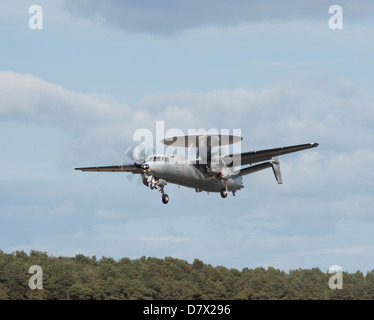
{"points": [[202, 140]]}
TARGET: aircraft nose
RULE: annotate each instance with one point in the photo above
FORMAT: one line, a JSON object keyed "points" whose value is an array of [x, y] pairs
{"points": [[145, 166]]}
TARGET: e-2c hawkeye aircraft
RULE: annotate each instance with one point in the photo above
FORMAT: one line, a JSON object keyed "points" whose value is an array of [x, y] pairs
{"points": [[208, 171]]}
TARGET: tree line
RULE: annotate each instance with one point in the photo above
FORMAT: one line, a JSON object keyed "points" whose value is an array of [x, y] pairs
{"points": [[81, 277]]}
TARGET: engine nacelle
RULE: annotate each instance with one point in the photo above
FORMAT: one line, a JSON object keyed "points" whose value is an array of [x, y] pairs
{"points": [[234, 184], [224, 174]]}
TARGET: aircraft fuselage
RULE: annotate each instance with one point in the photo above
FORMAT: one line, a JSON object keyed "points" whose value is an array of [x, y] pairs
{"points": [[178, 171]]}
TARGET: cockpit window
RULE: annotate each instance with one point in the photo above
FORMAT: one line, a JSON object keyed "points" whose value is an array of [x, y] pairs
{"points": [[158, 158]]}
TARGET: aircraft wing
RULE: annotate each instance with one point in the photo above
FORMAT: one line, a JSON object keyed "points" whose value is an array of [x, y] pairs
{"points": [[263, 155], [124, 168]]}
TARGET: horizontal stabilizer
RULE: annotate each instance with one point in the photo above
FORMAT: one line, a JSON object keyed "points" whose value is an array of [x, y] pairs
{"points": [[255, 168], [273, 163]]}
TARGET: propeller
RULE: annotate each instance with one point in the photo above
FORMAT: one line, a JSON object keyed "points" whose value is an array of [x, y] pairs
{"points": [[220, 170], [139, 155], [214, 165]]}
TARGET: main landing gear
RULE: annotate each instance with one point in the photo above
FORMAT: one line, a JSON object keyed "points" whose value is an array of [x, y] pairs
{"points": [[223, 192], [165, 198]]}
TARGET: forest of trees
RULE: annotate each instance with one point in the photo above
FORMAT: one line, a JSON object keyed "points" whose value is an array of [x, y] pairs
{"points": [[81, 277]]}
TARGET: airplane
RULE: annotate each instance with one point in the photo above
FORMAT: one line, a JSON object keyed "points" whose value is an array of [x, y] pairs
{"points": [[208, 171]]}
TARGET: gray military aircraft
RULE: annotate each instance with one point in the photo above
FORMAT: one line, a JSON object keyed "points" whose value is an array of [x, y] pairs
{"points": [[208, 171]]}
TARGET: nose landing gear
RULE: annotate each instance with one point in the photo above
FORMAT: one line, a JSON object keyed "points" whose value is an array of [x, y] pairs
{"points": [[160, 184], [165, 197], [155, 183]]}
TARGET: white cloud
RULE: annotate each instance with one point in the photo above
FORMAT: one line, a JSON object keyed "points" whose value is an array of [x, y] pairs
{"points": [[94, 122], [289, 112], [283, 114], [25, 97]]}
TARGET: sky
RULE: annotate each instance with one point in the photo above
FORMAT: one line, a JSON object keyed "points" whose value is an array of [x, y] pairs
{"points": [[73, 93]]}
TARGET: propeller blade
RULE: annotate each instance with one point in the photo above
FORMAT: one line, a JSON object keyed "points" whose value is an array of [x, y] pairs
{"points": [[128, 154], [141, 153], [137, 154]]}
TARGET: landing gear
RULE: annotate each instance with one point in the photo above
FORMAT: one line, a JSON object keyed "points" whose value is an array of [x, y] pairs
{"points": [[154, 183], [165, 198], [224, 192]]}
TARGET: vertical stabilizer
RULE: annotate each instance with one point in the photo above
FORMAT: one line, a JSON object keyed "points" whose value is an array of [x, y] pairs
{"points": [[276, 169]]}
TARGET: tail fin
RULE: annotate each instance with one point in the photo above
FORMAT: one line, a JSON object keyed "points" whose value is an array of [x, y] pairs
{"points": [[276, 169]]}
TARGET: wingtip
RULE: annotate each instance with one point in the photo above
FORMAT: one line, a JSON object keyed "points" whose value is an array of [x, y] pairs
{"points": [[314, 144]]}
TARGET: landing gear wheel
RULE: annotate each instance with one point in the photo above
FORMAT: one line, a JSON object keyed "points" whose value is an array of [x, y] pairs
{"points": [[165, 198], [223, 193]]}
